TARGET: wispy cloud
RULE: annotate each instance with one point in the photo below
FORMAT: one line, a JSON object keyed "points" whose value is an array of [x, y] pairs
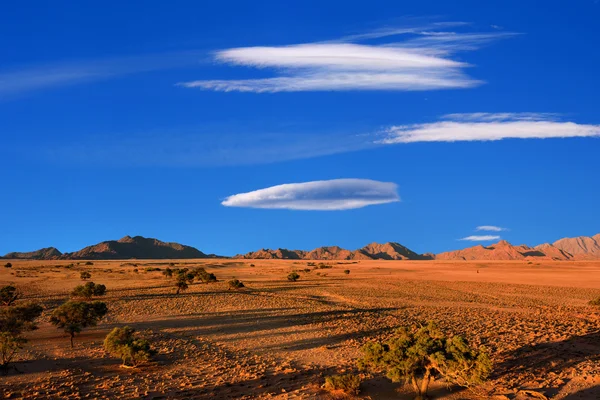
{"points": [[419, 62], [23, 79], [481, 238], [336, 194], [489, 126], [490, 228], [209, 146]]}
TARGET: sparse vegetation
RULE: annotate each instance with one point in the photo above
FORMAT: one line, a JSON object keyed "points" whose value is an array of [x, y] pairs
{"points": [[181, 283], [347, 383], [8, 265], [74, 316], [85, 275], [89, 290], [88, 263], [347, 271], [201, 275], [293, 277], [8, 295], [235, 284], [124, 343], [424, 354], [168, 272], [323, 266], [14, 321], [595, 302]]}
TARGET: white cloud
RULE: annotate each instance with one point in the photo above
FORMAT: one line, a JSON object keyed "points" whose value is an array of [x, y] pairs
{"points": [[482, 238], [490, 228], [336, 194], [489, 126], [420, 62]]}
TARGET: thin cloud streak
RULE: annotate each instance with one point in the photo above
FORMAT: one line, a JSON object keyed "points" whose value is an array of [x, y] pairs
{"points": [[32, 78], [420, 62], [329, 195], [488, 127], [480, 238], [490, 228]]}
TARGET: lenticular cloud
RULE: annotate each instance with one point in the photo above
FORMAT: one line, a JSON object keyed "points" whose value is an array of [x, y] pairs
{"points": [[336, 194], [489, 126]]}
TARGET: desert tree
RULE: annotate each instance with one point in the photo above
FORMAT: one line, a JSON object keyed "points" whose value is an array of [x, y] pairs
{"points": [[8, 295], [85, 275], [167, 272], [293, 276], [89, 290], [203, 276], [125, 344], [8, 265], [74, 316], [14, 321], [425, 354], [181, 283]]}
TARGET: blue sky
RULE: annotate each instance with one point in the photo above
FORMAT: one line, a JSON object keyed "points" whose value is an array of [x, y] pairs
{"points": [[414, 122]]}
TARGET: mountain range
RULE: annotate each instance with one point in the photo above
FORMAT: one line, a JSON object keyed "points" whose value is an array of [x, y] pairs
{"points": [[138, 247]]}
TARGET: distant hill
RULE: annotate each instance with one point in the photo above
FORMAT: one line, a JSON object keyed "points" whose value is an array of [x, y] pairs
{"points": [[137, 247], [506, 251], [582, 247], [373, 251], [47, 253]]}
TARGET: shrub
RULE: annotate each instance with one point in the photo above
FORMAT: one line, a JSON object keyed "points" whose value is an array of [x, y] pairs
{"points": [[348, 383], [8, 295], [595, 302], [151, 269], [201, 275], [85, 275], [293, 277], [135, 270], [235, 284], [74, 316], [426, 353], [8, 265], [88, 263], [306, 270], [181, 283], [168, 272], [14, 320], [123, 343], [347, 271], [89, 290], [324, 266]]}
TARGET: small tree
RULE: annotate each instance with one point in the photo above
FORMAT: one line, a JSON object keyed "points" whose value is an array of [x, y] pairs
{"points": [[293, 276], [168, 272], [85, 275], [8, 265], [235, 284], [89, 290], [8, 295], [123, 343], [425, 353], [74, 316], [201, 275], [14, 320], [181, 283]]}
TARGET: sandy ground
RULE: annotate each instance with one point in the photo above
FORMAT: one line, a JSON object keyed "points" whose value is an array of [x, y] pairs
{"points": [[278, 339]]}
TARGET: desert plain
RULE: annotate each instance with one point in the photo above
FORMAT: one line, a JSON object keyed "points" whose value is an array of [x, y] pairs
{"points": [[278, 339]]}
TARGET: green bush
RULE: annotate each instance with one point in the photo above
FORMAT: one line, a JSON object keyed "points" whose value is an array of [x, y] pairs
{"points": [[74, 316], [235, 284], [89, 290], [123, 343], [14, 321], [347, 383], [85, 275], [8, 295], [293, 277], [426, 353]]}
